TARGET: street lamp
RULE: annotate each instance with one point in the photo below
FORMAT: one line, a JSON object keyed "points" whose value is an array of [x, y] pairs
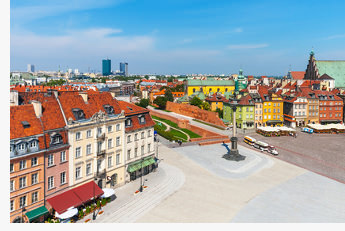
{"points": [[141, 175], [23, 210], [94, 195]]}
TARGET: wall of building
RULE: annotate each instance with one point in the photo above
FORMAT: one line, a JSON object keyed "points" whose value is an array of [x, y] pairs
{"points": [[195, 112]]}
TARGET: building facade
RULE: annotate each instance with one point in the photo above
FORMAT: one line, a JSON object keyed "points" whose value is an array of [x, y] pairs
{"points": [[106, 67], [209, 87]]}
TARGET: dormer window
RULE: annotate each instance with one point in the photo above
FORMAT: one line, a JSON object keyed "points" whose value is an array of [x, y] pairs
{"points": [[21, 147], [142, 120], [78, 113], [56, 139], [33, 144], [108, 109], [128, 122]]}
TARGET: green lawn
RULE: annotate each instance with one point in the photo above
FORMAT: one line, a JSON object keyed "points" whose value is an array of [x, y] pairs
{"points": [[177, 134], [162, 126], [174, 125]]}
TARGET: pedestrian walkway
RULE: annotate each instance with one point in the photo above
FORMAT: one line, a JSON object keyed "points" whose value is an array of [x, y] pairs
{"points": [[128, 206]]}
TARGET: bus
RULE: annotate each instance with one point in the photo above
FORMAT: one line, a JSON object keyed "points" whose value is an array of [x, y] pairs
{"points": [[261, 145], [249, 140]]}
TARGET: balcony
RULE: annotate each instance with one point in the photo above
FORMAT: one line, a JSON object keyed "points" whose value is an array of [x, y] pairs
{"points": [[100, 136], [100, 153], [100, 173]]}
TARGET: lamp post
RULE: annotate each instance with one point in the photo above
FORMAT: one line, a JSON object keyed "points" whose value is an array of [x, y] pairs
{"points": [[23, 210], [141, 175], [94, 195]]}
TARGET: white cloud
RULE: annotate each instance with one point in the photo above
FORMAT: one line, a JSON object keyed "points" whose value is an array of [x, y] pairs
{"points": [[246, 46], [238, 30], [335, 37]]}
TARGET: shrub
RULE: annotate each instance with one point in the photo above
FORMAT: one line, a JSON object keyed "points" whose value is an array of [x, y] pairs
{"points": [[87, 210], [98, 204], [104, 202], [81, 214]]}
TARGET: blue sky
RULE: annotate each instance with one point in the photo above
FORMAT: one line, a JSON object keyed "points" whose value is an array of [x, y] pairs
{"points": [[176, 37]]}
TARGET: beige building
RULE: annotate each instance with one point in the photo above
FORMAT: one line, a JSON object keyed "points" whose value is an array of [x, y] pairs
{"points": [[96, 133]]}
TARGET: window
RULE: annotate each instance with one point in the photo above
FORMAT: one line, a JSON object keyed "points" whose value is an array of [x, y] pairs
{"points": [[22, 201], [136, 136], [33, 144], [12, 205], [77, 152], [21, 146], [88, 149], [77, 136], [149, 133], [117, 141], [50, 182], [88, 169], [99, 131], [247, 116], [330, 114], [78, 173], [274, 105], [88, 133], [62, 178], [50, 160], [34, 197], [240, 116], [22, 182], [117, 159], [278, 117], [110, 161], [269, 110], [299, 113], [274, 116], [278, 110], [62, 156], [265, 110], [142, 135], [320, 115], [142, 150], [247, 109], [34, 178], [22, 164], [110, 143], [135, 152], [129, 139], [142, 119], [269, 117], [33, 161], [110, 128], [274, 110], [118, 127], [128, 122], [148, 147], [128, 154], [12, 186], [11, 167]]}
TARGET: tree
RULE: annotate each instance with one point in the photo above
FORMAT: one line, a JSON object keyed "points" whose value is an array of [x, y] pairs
{"points": [[161, 102], [146, 77], [205, 106], [168, 94], [144, 103], [195, 101], [93, 80], [220, 113]]}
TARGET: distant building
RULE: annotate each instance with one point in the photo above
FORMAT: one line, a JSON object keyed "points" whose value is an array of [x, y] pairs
{"points": [[106, 67], [333, 71], [124, 68], [31, 68]]}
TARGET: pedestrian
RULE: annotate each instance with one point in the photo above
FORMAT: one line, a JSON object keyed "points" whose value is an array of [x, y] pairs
{"points": [[295, 135]]}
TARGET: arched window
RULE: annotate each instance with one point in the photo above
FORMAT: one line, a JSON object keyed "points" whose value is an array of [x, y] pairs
{"points": [[218, 89], [226, 90], [193, 90]]}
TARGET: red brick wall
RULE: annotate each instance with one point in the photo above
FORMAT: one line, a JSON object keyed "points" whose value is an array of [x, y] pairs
{"points": [[195, 112], [182, 123]]}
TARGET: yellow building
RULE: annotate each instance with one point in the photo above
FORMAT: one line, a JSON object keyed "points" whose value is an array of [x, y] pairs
{"points": [[272, 110], [216, 102], [210, 86]]}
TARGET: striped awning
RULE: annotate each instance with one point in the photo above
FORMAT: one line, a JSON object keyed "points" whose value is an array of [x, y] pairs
{"points": [[140, 164]]}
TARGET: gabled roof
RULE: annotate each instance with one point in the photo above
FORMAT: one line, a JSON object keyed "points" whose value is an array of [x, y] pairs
{"points": [[19, 114], [325, 76], [297, 75], [246, 100]]}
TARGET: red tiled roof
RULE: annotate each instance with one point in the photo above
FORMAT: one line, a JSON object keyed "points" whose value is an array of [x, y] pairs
{"points": [[297, 75], [24, 113], [245, 100], [216, 98]]}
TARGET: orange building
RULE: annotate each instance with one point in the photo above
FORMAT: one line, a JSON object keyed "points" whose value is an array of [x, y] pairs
{"points": [[26, 163]]}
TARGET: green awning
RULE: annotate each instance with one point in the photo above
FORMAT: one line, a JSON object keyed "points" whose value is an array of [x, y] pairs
{"points": [[33, 214], [138, 165]]}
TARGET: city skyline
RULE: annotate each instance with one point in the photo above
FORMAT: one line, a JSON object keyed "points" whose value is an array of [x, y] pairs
{"points": [[175, 37]]}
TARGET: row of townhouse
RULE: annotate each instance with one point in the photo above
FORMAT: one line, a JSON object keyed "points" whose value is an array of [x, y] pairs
{"points": [[61, 141], [312, 106], [257, 109]]}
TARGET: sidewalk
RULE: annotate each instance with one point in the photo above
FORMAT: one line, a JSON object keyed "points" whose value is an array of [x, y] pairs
{"points": [[128, 206]]}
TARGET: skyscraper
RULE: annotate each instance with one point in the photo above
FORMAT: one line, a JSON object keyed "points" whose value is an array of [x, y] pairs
{"points": [[106, 67], [124, 68], [31, 68]]}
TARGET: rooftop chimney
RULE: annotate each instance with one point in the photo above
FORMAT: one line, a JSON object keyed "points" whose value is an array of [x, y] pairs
{"points": [[84, 96], [37, 107], [13, 98]]}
